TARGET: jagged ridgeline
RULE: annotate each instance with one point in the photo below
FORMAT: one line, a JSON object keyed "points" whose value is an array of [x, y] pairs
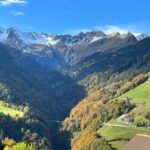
{"points": [[67, 92]]}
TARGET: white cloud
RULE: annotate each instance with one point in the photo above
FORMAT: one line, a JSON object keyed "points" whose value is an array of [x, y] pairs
{"points": [[108, 29], [5, 3], [17, 13]]}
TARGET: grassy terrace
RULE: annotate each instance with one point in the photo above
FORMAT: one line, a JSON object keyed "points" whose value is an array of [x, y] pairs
{"points": [[9, 111], [140, 95], [19, 146]]}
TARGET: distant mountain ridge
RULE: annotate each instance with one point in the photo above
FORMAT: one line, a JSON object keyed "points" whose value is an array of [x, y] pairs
{"points": [[62, 50]]}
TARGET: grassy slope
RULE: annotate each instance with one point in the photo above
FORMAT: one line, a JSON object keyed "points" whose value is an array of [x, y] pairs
{"points": [[19, 146], [141, 97], [9, 111], [112, 132]]}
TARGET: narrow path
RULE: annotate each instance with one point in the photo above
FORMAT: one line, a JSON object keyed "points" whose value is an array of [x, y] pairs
{"points": [[118, 125], [55, 121]]}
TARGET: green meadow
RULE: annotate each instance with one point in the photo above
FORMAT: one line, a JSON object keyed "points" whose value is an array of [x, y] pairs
{"points": [[140, 95], [11, 112]]}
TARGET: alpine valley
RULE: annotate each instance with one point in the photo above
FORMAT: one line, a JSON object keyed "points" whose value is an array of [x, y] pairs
{"points": [[89, 91]]}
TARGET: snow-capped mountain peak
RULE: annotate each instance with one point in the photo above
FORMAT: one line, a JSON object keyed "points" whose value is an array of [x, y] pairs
{"points": [[50, 40], [12, 35], [3, 35], [72, 48], [141, 36]]}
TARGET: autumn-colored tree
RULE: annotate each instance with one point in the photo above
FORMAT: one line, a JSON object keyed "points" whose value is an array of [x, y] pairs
{"points": [[132, 84], [8, 142]]}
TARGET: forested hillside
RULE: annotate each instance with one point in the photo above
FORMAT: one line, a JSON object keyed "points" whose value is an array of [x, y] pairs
{"points": [[121, 82], [43, 95]]}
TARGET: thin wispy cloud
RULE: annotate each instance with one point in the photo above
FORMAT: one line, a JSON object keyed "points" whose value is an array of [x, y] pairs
{"points": [[110, 29], [17, 13], [5, 3], [107, 29]]}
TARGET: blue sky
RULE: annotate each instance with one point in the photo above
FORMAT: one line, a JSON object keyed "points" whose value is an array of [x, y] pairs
{"points": [[72, 16]]}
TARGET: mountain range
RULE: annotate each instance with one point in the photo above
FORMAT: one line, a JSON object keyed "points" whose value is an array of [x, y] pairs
{"points": [[64, 89], [62, 50]]}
